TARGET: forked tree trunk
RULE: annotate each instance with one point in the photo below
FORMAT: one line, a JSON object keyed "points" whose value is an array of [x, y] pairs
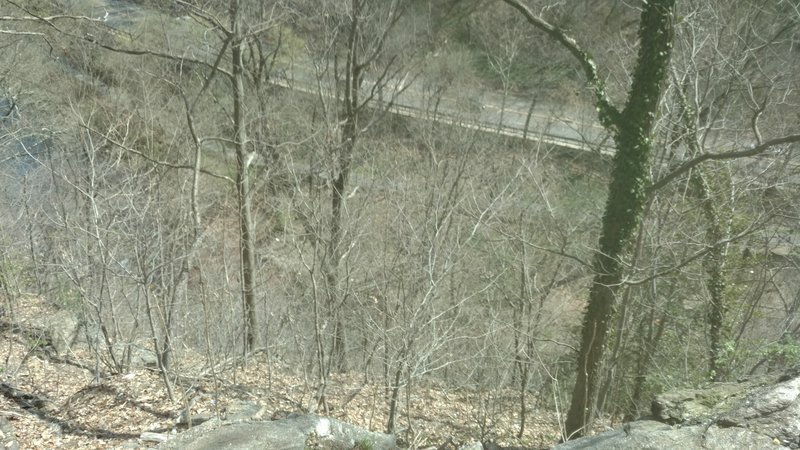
{"points": [[626, 199]]}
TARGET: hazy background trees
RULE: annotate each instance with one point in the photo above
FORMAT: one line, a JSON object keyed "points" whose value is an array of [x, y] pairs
{"points": [[199, 183]]}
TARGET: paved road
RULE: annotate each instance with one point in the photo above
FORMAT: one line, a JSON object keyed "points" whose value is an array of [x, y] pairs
{"points": [[484, 110]]}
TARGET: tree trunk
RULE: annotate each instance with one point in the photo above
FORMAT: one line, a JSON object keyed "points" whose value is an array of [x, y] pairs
{"points": [[649, 342], [714, 260], [243, 160], [713, 264], [338, 353], [626, 200], [393, 399], [344, 150]]}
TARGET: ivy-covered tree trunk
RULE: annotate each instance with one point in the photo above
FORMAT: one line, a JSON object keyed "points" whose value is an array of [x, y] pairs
{"points": [[714, 260], [626, 198], [713, 264]]}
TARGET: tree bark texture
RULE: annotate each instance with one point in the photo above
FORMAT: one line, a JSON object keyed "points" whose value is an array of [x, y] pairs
{"points": [[714, 261], [243, 157], [343, 158], [713, 264], [626, 199]]}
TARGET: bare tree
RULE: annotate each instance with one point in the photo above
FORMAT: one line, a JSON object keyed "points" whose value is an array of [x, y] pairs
{"points": [[358, 74], [238, 42]]}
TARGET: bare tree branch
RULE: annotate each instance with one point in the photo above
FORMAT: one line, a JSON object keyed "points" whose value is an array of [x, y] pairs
{"points": [[693, 257], [688, 165], [153, 160], [210, 19], [21, 33], [608, 113], [139, 52]]}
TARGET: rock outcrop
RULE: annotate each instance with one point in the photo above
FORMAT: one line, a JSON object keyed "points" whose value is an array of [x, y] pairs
{"points": [[759, 413], [295, 432], [7, 439]]}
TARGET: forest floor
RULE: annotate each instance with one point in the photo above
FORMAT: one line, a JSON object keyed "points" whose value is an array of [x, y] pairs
{"points": [[63, 402]]}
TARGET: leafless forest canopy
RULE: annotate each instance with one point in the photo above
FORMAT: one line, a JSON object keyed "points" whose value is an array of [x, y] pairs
{"points": [[209, 183]]}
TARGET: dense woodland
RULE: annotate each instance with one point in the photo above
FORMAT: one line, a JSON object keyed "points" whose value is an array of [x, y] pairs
{"points": [[226, 179]]}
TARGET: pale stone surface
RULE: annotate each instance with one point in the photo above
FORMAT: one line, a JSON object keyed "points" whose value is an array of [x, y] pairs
{"points": [[761, 413], [296, 432]]}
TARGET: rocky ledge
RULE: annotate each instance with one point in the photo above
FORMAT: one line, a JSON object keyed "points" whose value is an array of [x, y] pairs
{"points": [[295, 432], [757, 413]]}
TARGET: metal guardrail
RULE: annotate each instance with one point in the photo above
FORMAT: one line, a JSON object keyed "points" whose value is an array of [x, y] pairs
{"points": [[506, 130], [459, 120]]}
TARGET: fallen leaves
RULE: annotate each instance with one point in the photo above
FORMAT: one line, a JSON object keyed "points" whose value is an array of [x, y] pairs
{"points": [[84, 412]]}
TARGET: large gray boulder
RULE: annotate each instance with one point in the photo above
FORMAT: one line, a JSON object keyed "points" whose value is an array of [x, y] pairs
{"points": [[62, 328], [295, 432], [652, 435], [760, 413]]}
